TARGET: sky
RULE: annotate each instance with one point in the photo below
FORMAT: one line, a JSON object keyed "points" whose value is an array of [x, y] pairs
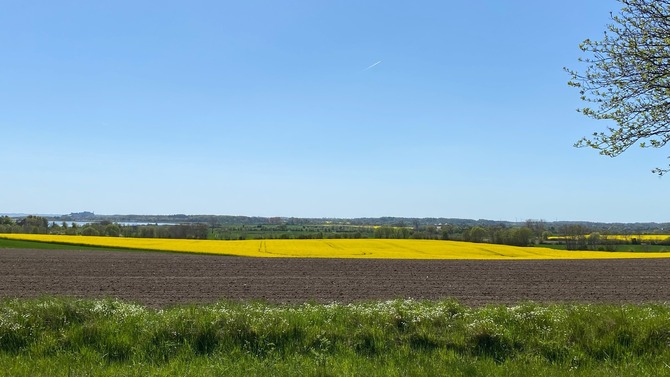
{"points": [[309, 109]]}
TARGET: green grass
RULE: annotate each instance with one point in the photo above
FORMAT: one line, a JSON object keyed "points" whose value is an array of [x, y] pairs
{"points": [[18, 244], [65, 337]]}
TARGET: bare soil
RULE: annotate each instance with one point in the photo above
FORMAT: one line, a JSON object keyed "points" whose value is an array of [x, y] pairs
{"points": [[164, 279]]}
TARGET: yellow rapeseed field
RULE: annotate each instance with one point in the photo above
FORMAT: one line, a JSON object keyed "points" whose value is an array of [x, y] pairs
{"points": [[339, 248], [641, 238]]}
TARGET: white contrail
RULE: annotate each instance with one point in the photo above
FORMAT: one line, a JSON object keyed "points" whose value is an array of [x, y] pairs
{"points": [[372, 65]]}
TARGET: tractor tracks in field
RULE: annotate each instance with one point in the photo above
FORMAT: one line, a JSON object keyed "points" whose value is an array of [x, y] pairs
{"points": [[263, 247]]}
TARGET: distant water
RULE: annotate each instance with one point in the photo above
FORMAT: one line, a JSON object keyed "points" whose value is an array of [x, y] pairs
{"points": [[123, 223]]}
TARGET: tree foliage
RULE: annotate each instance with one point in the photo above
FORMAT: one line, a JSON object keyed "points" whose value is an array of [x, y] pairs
{"points": [[6, 220], [627, 79]]}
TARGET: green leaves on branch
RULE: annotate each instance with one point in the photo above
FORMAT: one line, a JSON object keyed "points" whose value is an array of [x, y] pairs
{"points": [[627, 79]]}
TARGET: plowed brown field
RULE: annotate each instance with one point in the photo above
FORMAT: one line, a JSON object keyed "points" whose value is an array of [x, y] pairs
{"points": [[160, 279]]}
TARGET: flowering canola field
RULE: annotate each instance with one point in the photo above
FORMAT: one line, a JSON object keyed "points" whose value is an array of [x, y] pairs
{"points": [[336, 248], [641, 238]]}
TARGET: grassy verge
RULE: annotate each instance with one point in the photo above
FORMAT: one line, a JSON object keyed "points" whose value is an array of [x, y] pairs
{"points": [[21, 244], [64, 337], [50, 245]]}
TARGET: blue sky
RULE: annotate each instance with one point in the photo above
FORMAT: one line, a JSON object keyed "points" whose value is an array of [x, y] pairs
{"points": [[267, 108]]}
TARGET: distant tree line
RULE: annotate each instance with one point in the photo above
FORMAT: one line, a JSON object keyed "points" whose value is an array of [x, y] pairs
{"points": [[29, 224], [215, 221], [500, 234], [40, 225], [575, 236]]}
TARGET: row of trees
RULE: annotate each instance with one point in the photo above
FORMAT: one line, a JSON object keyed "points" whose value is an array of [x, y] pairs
{"points": [[518, 236], [40, 225], [521, 236], [29, 224]]}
